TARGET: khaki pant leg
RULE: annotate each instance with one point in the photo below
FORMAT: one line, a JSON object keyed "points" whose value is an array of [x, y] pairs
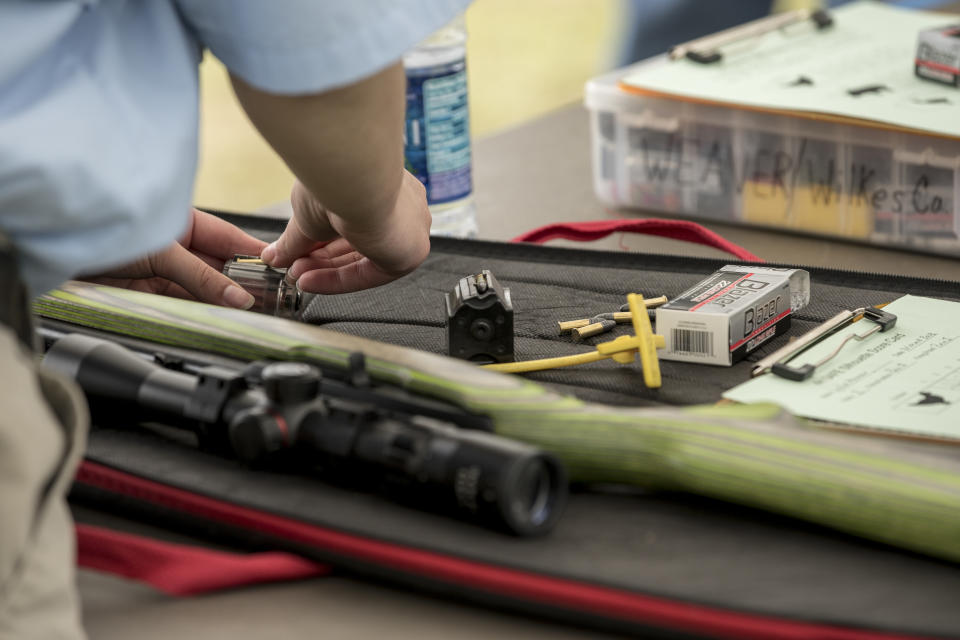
{"points": [[43, 423]]}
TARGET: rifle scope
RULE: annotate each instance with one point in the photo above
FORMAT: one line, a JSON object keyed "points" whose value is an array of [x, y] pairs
{"points": [[277, 413]]}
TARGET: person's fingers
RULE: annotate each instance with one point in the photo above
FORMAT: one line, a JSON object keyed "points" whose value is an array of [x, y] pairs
{"points": [[155, 285], [337, 253], [312, 217], [291, 244], [336, 247], [218, 238], [216, 263], [354, 276], [199, 279], [309, 226], [163, 287], [313, 263], [400, 241]]}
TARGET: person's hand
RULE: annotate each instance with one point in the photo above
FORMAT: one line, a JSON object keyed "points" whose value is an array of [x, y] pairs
{"points": [[190, 268], [328, 254]]}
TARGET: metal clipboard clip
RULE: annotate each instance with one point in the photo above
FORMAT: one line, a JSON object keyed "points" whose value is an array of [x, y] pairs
{"points": [[706, 50], [777, 362]]}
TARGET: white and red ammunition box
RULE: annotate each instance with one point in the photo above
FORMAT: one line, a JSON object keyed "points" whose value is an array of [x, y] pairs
{"points": [[729, 314], [938, 55]]}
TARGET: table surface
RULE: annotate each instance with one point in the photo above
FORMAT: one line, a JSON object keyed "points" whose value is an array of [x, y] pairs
{"points": [[525, 177]]}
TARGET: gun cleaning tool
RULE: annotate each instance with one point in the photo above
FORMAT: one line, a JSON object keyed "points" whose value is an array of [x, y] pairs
{"points": [[625, 349], [480, 319]]}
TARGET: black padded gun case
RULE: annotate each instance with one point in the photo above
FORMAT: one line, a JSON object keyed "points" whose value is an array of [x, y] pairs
{"points": [[643, 563]]}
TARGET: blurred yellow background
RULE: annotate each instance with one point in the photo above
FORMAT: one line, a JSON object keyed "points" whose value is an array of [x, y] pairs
{"points": [[523, 58]]}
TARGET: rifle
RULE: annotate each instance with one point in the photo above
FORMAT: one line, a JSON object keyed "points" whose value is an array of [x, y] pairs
{"points": [[901, 493], [288, 415]]}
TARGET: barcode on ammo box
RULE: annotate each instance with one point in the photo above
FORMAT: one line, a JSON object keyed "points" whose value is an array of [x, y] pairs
{"points": [[689, 341]]}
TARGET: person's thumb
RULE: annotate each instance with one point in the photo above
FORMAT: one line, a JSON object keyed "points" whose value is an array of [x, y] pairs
{"points": [[309, 226], [292, 244], [202, 281]]}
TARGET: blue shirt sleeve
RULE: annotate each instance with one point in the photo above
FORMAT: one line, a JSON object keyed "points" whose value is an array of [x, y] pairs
{"points": [[98, 133], [98, 107], [309, 46]]}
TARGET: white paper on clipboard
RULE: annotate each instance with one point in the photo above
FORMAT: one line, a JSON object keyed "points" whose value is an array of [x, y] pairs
{"points": [[906, 379]]}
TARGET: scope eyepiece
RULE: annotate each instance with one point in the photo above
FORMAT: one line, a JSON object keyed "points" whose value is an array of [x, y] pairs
{"points": [[508, 484], [476, 475], [535, 501]]}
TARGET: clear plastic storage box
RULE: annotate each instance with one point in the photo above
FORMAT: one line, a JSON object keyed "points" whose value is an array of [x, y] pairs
{"points": [[715, 162]]}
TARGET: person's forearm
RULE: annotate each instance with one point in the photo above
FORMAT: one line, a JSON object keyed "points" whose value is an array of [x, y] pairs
{"points": [[345, 145]]}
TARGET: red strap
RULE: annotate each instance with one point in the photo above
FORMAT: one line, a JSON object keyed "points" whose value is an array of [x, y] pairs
{"points": [[461, 573], [676, 229], [181, 570]]}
